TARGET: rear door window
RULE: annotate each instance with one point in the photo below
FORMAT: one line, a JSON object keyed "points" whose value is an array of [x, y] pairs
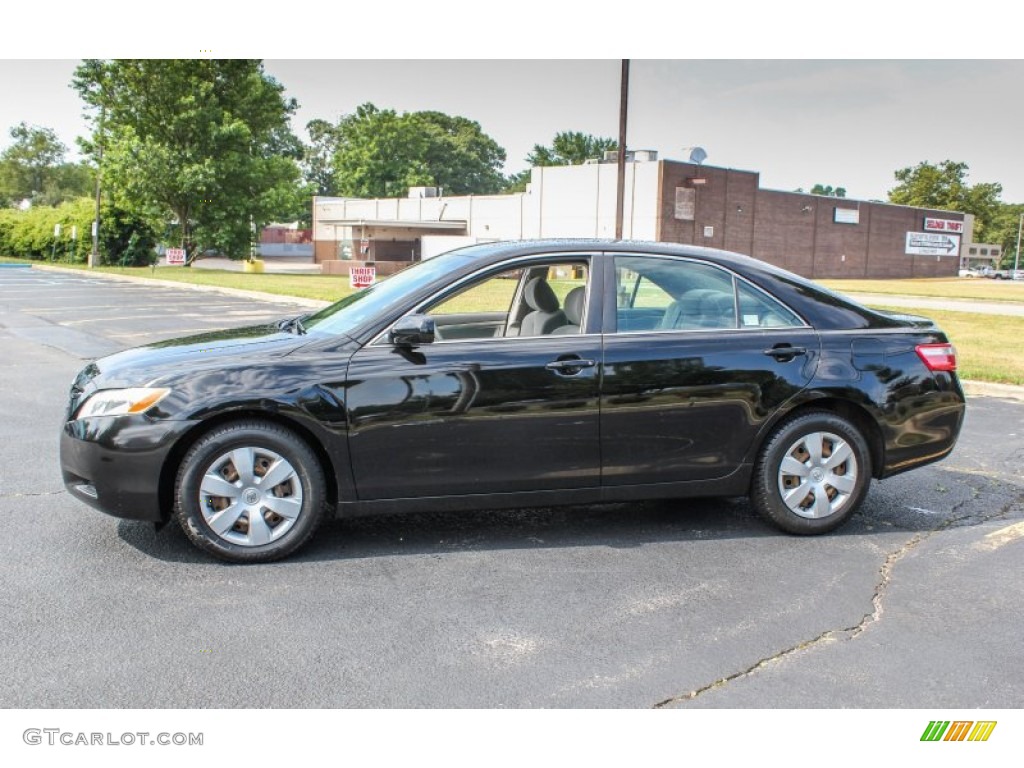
{"points": [[672, 295]]}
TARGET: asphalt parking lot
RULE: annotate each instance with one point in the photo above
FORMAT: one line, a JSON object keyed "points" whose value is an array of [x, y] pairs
{"points": [[916, 603]]}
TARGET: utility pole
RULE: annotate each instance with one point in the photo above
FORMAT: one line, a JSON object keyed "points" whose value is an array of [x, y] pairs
{"points": [[94, 257], [620, 188], [1016, 259]]}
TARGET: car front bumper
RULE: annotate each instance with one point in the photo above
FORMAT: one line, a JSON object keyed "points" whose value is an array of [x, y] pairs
{"points": [[115, 463]]}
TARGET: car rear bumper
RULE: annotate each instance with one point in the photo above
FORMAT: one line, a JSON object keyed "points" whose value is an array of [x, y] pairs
{"points": [[115, 464], [929, 433]]}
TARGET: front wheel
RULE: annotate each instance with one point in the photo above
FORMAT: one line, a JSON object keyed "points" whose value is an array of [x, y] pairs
{"points": [[812, 473], [250, 492]]}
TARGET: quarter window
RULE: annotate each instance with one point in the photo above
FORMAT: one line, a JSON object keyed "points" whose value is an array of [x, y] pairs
{"points": [[757, 310]]}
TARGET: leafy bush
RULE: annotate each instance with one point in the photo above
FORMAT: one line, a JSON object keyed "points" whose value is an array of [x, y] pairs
{"points": [[125, 239]]}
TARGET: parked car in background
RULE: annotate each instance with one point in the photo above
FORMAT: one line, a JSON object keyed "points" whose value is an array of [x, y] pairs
{"points": [[971, 272], [518, 374], [999, 273]]}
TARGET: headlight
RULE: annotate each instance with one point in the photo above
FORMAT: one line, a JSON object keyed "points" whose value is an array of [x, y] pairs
{"points": [[118, 402]]}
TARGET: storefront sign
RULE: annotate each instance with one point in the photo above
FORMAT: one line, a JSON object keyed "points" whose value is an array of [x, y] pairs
{"points": [[943, 225], [846, 215], [362, 277], [931, 244]]}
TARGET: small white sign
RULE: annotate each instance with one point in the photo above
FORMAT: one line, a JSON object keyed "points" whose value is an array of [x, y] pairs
{"points": [[56, 230], [95, 226], [943, 225], [709, 231], [74, 231], [932, 244], [175, 257], [846, 215], [362, 277]]}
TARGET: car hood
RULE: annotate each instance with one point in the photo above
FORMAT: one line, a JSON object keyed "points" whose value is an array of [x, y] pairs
{"points": [[165, 361]]}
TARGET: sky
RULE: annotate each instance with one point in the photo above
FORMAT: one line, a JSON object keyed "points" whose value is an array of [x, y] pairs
{"points": [[849, 123]]}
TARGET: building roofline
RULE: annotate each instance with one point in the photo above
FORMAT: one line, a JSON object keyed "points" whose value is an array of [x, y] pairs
{"points": [[402, 223]]}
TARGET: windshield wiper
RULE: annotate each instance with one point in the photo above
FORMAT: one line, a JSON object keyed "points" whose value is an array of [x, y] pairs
{"points": [[292, 325]]}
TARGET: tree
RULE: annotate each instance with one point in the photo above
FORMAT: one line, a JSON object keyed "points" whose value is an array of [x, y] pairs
{"points": [[828, 191], [1002, 230], [33, 168], [381, 153], [318, 157], [570, 148], [567, 148], [460, 157], [944, 187], [202, 145]]}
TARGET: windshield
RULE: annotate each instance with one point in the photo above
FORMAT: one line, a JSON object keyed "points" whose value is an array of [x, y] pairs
{"points": [[352, 311]]}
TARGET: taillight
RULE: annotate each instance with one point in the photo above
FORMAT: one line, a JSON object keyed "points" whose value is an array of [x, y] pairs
{"points": [[938, 357]]}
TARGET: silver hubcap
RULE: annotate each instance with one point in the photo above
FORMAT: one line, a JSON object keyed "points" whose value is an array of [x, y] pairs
{"points": [[250, 496], [817, 475]]}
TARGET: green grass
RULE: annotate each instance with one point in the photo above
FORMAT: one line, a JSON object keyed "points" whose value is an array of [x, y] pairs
{"points": [[321, 287], [980, 288], [988, 346]]}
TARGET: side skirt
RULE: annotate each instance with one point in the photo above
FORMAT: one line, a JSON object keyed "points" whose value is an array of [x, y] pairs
{"points": [[735, 484]]}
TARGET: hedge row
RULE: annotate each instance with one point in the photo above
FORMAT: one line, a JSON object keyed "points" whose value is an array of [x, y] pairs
{"points": [[125, 239]]}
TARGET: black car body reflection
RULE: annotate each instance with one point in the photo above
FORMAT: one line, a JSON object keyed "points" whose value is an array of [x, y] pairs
{"points": [[518, 374]]}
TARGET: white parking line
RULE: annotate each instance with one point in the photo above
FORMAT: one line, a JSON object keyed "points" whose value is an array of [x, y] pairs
{"points": [[1000, 538], [85, 308], [104, 319], [152, 334]]}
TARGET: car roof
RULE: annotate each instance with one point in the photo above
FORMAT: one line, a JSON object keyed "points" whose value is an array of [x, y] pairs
{"points": [[730, 259]]}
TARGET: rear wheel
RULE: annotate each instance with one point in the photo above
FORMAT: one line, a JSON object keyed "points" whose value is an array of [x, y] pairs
{"points": [[812, 474], [250, 492]]}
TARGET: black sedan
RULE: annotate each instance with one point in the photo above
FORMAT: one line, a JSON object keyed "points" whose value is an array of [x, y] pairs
{"points": [[518, 374]]}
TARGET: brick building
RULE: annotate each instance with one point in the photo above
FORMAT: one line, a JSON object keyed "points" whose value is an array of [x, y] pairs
{"points": [[665, 200]]}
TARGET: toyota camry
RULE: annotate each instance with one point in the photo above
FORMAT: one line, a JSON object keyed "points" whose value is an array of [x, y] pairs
{"points": [[518, 374]]}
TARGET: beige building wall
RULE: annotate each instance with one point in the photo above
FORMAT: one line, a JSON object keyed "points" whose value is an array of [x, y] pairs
{"points": [[561, 201]]}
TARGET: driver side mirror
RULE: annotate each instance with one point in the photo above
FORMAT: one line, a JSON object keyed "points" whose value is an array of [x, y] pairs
{"points": [[412, 330]]}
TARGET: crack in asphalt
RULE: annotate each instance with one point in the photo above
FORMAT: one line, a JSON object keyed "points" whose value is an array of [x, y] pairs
{"points": [[869, 619]]}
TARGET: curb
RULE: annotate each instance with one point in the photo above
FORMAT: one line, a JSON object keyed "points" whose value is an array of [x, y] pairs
{"points": [[308, 303], [989, 389]]}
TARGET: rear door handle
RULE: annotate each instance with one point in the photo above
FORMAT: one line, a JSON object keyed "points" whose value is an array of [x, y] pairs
{"points": [[784, 352], [570, 365]]}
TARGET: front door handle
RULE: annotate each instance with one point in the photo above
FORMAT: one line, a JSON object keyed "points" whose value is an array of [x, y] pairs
{"points": [[569, 365], [785, 352]]}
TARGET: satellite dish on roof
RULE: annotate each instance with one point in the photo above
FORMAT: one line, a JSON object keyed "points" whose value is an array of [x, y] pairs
{"points": [[697, 154]]}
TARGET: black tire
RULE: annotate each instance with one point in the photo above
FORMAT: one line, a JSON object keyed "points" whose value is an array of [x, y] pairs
{"points": [[266, 523], [826, 490]]}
